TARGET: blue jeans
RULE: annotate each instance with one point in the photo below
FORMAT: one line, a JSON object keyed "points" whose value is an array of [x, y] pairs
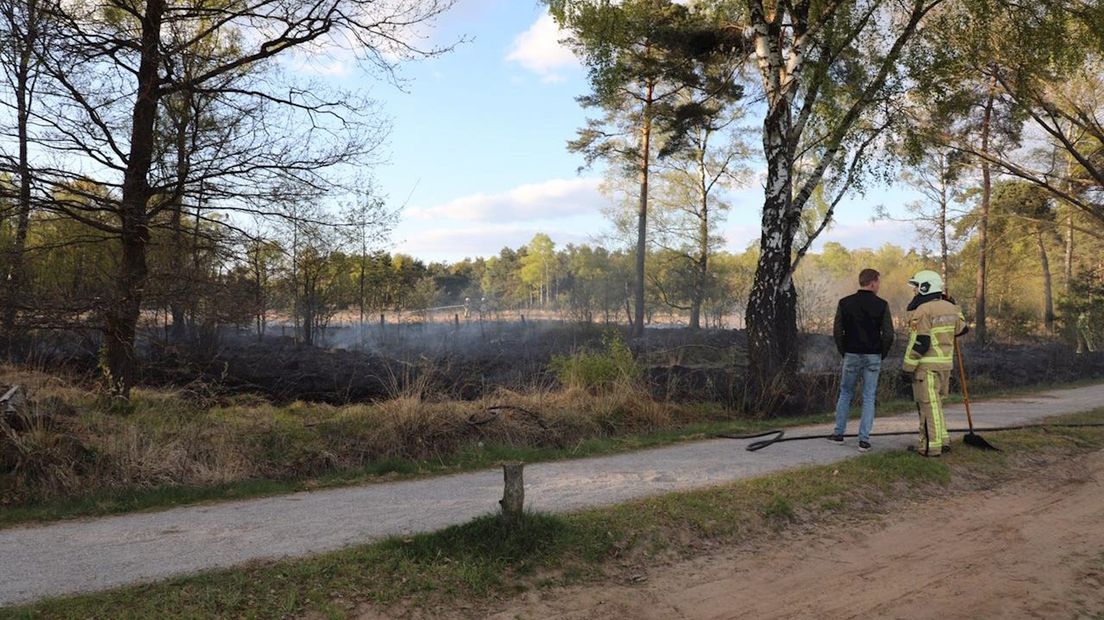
{"points": [[868, 367]]}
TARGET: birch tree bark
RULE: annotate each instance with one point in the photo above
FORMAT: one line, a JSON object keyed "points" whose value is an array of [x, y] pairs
{"points": [[798, 47]]}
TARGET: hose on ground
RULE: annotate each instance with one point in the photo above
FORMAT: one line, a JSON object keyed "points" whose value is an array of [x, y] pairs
{"points": [[779, 436]]}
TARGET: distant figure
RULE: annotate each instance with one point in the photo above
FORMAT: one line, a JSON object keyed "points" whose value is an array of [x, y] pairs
{"points": [[934, 321], [1084, 334], [467, 307], [863, 332]]}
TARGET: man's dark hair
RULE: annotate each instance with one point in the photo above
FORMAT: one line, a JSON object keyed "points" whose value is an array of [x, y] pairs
{"points": [[868, 276]]}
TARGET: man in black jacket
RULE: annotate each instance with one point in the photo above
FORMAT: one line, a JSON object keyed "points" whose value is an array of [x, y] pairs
{"points": [[864, 333]]}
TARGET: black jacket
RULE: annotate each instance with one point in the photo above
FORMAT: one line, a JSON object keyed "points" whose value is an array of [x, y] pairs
{"points": [[863, 324]]}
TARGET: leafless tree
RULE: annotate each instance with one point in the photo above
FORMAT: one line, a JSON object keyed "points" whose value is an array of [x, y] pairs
{"points": [[173, 103]]}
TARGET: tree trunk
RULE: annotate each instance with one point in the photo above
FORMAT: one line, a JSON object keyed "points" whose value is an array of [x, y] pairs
{"points": [[259, 301], [1048, 294], [944, 253], [703, 244], [695, 315], [122, 316], [628, 310], [981, 282], [361, 279], [772, 307], [179, 288], [308, 311], [192, 305], [642, 212], [16, 278], [1068, 266], [297, 299], [179, 321]]}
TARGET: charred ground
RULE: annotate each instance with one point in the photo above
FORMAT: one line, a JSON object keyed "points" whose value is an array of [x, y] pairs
{"points": [[470, 361]]}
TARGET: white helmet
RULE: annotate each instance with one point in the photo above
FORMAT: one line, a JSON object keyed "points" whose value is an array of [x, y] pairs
{"points": [[927, 282]]}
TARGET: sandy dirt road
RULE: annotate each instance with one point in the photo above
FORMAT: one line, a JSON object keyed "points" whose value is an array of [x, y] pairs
{"points": [[1030, 549]]}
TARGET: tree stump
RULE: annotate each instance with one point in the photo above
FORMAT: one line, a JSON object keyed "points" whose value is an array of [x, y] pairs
{"points": [[513, 495]]}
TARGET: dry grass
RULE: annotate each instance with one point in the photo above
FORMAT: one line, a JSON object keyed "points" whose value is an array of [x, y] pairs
{"points": [[83, 444]]}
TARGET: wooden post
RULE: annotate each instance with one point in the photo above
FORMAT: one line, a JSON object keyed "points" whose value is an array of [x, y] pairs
{"points": [[456, 320], [513, 495]]}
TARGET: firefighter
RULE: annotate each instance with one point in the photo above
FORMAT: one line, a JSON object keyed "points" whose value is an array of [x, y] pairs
{"points": [[933, 323]]}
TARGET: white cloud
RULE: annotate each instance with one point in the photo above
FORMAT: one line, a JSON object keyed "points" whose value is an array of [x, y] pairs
{"points": [[871, 235], [852, 234], [553, 199], [453, 243], [322, 66], [539, 50], [738, 237]]}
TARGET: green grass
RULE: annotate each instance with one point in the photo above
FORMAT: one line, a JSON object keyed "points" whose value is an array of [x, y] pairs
{"points": [[467, 459], [485, 558]]}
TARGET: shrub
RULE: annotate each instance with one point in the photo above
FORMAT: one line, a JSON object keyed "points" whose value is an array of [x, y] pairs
{"points": [[596, 370]]}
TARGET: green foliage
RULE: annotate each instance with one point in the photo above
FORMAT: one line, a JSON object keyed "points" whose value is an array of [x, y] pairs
{"points": [[540, 266], [1024, 250], [1081, 311], [598, 370]]}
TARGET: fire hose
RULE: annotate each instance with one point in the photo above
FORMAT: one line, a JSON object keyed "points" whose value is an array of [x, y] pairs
{"points": [[779, 436]]}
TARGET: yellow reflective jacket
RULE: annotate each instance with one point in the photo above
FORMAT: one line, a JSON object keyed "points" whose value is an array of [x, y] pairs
{"points": [[933, 323]]}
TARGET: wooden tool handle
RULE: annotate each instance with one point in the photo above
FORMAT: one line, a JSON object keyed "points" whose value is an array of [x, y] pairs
{"points": [[965, 390]]}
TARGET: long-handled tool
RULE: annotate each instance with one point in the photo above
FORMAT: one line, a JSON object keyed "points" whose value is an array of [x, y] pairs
{"points": [[971, 438], [779, 436]]}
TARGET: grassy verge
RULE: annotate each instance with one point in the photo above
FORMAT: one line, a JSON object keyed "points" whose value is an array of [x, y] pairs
{"points": [[474, 456], [468, 459], [465, 565]]}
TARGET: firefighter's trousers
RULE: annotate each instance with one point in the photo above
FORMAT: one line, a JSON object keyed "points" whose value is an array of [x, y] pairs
{"points": [[928, 389]]}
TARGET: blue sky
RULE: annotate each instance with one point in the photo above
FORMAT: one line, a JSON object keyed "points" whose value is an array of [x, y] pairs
{"points": [[478, 145]]}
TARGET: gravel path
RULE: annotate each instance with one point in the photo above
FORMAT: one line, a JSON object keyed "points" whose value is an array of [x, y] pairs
{"points": [[89, 555]]}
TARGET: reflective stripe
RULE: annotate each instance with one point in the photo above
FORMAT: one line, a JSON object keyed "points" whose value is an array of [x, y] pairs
{"points": [[935, 355], [937, 348], [927, 444], [936, 408], [910, 361]]}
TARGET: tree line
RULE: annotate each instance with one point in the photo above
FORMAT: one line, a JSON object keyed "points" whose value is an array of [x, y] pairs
{"points": [[125, 119], [301, 279]]}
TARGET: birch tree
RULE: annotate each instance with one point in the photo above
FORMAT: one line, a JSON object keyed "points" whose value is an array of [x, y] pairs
{"points": [[828, 71]]}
